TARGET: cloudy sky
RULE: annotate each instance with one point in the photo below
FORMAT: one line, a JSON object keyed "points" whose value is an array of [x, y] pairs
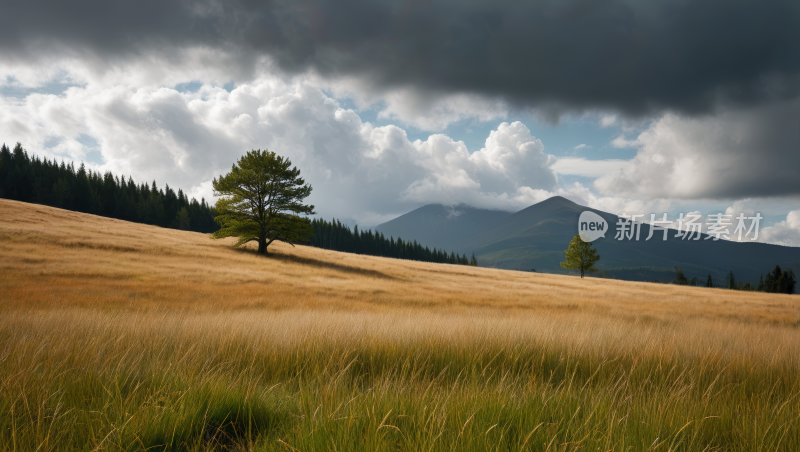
{"points": [[643, 105]]}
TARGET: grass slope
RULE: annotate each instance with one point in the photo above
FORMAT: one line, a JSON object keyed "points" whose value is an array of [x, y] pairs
{"points": [[120, 336]]}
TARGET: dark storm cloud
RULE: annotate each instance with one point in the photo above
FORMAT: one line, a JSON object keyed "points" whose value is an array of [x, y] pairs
{"points": [[635, 56]]}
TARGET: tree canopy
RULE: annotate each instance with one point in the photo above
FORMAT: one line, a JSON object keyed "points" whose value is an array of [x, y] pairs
{"points": [[580, 256], [779, 281], [261, 200]]}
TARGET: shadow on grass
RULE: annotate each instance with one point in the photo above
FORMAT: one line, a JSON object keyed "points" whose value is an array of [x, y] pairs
{"points": [[214, 417], [319, 264]]}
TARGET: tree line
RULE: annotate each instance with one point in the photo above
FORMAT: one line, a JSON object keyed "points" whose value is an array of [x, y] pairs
{"points": [[777, 281], [43, 181], [333, 235]]}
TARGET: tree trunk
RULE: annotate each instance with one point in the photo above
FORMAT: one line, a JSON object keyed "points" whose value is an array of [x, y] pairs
{"points": [[262, 245]]}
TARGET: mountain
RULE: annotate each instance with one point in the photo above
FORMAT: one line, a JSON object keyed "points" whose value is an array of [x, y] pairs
{"points": [[536, 237], [443, 227], [533, 238]]}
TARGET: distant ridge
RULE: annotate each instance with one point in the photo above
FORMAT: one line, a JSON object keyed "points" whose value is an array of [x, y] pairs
{"points": [[535, 238], [439, 226]]}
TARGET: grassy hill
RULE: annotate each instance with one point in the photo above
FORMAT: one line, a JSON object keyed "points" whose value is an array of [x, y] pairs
{"points": [[122, 336]]}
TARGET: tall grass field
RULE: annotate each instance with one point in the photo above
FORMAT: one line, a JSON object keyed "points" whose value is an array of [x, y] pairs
{"points": [[118, 336]]}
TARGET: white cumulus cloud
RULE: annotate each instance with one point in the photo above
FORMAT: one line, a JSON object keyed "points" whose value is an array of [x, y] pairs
{"points": [[358, 170], [786, 232]]}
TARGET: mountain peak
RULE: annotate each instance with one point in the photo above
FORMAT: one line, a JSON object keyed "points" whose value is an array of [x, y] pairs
{"points": [[559, 200], [551, 205]]}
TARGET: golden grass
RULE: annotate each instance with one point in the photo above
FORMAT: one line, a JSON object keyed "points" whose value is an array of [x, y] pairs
{"points": [[120, 336], [55, 258]]}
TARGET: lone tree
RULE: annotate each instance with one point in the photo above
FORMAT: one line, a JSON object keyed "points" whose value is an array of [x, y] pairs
{"points": [[680, 278], [261, 200], [580, 256]]}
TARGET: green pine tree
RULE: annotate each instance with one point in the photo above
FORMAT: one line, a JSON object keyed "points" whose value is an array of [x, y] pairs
{"points": [[680, 278], [261, 200], [580, 256], [183, 220]]}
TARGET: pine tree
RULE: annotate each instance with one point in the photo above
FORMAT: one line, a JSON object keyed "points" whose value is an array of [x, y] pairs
{"points": [[730, 280], [771, 282], [788, 282], [779, 281], [680, 278], [183, 220], [261, 200], [83, 192], [5, 165], [580, 256]]}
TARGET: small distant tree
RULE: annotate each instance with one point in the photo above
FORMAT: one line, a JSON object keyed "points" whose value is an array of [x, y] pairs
{"points": [[261, 200], [730, 280], [779, 281], [83, 191], [771, 281], [680, 278], [580, 256], [473, 261], [790, 282], [3, 152], [183, 220], [709, 282]]}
